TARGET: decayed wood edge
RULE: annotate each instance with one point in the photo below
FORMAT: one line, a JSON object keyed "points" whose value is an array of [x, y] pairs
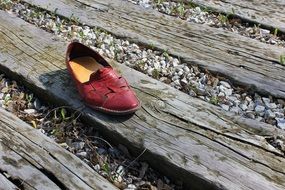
{"points": [[5, 184], [150, 27], [42, 72], [20, 168], [31, 157], [269, 19]]}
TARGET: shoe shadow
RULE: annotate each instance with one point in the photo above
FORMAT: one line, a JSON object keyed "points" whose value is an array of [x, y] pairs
{"points": [[61, 90]]}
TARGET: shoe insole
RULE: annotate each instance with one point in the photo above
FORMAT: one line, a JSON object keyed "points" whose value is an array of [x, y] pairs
{"points": [[83, 67]]}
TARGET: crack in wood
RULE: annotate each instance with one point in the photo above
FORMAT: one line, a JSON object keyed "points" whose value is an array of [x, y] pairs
{"points": [[30, 46], [17, 182], [161, 138], [48, 173]]}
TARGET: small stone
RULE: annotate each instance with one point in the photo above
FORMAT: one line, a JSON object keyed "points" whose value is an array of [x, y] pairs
{"points": [[30, 111], [162, 64], [237, 96], [81, 154], [225, 84], [179, 68], [42, 131], [271, 106], [221, 94], [37, 104], [250, 106], [264, 32], [97, 167], [101, 151], [258, 101], [279, 114], [266, 100], [261, 114], [156, 65], [272, 41], [281, 144], [176, 77], [281, 123], [184, 81], [129, 180], [222, 88], [207, 99], [1, 96], [228, 92], [5, 90], [259, 118], [232, 98], [244, 95], [243, 106], [259, 108], [203, 79], [190, 76], [269, 114], [181, 72], [186, 69], [177, 83], [131, 187], [248, 99], [103, 173], [225, 107], [163, 79], [192, 93], [63, 145], [150, 71], [78, 145], [119, 178], [236, 102], [201, 97], [250, 115], [120, 170], [175, 62], [235, 110], [201, 91]]}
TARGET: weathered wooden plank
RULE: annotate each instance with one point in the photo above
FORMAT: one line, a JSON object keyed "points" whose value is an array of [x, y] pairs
{"points": [[268, 13], [5, 184], [245, 61], [36, 162], [185, 137], [20, 168]]}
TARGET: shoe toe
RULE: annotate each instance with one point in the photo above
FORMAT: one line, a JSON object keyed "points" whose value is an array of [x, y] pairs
{"points": [[122, 102]]}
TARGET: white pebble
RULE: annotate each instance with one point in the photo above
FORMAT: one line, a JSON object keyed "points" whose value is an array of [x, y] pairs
{"points": [[30, 111]]}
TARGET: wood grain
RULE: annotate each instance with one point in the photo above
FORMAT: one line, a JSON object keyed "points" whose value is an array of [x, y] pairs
{"points": [[267, 13], [36, 162], [5, 184], [184, 137], [243, 60]]}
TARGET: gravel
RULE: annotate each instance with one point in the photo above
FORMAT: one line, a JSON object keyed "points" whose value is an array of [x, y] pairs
{"points": [[64, 125], [159, 65], [281, 123], [192, 13], [259, 109]]}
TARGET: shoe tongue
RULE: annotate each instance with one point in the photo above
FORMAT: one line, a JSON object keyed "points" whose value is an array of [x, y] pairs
{"points": [[105, 72]]}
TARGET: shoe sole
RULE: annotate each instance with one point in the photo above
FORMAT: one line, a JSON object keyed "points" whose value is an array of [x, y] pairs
{"points": [[115, 112]]}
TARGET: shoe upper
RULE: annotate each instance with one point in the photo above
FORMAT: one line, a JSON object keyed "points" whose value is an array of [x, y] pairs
{"points": [[105, 90]]}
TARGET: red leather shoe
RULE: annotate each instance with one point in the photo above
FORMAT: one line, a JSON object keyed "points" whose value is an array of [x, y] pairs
{"points": [[98, 84]]}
